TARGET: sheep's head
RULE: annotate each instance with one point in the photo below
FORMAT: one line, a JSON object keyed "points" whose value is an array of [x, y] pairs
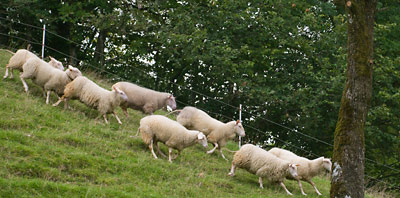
{"points": [[202, 139], [73, 72], [120, 93], [327, 164], [293, 170], [55, 63], [170, 101], [239, 130]]}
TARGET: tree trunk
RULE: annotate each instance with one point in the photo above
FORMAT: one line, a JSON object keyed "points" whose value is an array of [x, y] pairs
{"points": [[99, 53], [72, 55], [349, 147]]}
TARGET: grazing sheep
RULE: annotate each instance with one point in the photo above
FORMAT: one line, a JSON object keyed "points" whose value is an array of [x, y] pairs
{"points": [[19, 59], [308, 168], [143, 99], [158, 128], [218, 133], [94, 96], [47, 77], [263, 164]]}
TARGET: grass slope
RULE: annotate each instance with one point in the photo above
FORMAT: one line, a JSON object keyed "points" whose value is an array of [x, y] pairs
{"points": [[46, 151]]}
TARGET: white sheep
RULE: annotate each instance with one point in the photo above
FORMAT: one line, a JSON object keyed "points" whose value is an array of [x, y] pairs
{"points": [[307, 169], [47, 77], [263, 164], [94, 96], [217, 132], [19, 59], [143, 99], [158, 128]]}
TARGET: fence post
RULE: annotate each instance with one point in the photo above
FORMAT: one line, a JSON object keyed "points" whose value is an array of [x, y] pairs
{"points": [[240, 119], [44, 34]]}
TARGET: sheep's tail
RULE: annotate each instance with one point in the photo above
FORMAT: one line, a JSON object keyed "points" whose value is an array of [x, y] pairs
{"points": [[178, 110], [8, 51], [230, 150]]}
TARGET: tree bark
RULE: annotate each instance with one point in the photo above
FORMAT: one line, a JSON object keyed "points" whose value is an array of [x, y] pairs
{"points": [[349, 147], [99, 52]]}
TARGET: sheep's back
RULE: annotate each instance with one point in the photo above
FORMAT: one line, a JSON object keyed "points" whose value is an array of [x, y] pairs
{"points": [[197, 119], [20, 57], [138, 96], [258, 161]]}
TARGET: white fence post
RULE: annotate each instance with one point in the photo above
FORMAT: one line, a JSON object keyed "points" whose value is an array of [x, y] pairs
{"points": [[44, 34], [240, 119]]}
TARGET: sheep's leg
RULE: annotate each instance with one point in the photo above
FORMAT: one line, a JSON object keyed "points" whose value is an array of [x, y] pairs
{"points": [[301, 188], [138, 130], [48, 97], [116, 117], [105, 118], [212, 150], [284, 187], [11, 73], [24, 83], [261, 182], [151, 149], [65, 102], [6, 74], [125, 111], [170, 154], [158, 150], [232, 172], [179, 152], [312, 183], [222, 154], [59, 101]]}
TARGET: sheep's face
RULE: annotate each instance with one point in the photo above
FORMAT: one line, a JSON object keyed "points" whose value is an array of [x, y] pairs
{"points": [[171, 102], [239, 130], [120, 93], [293, 170], [73, 72], [327, 164], [202, 139], [55, 63]]}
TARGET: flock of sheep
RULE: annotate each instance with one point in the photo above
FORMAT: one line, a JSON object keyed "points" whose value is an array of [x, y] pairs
{"points": [[192, 125]]}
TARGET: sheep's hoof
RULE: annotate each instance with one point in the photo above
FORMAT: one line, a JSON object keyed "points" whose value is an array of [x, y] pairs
{"points": [[231, 174]]}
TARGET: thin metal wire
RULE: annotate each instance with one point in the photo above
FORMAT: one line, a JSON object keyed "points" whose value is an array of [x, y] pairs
{"points": [[194, 91]]}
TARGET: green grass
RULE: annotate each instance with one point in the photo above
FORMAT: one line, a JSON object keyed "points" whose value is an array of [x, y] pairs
{"points": [[46, 151]]}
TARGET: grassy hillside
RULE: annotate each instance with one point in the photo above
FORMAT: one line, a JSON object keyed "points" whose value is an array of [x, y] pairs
{"points": [[46, 151]]}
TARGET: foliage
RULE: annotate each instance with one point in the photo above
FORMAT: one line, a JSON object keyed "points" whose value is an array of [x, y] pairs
{"points": [[50, 152], [283, 60]]}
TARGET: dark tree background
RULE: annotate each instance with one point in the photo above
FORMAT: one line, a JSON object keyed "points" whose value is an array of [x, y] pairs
{"points": [[284, 60]]}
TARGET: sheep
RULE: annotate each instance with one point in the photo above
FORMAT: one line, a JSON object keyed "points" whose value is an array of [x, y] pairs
{"points": [[47, 77], [21, 56], [308, 168], [94, 96], [263, 164], [217, 132], [158, 128], [143, 99]]}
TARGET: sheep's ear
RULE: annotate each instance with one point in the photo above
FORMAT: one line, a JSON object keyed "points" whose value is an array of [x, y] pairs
{"points": [[200, 136], [297, 164], [237, 122], [51, 57]]}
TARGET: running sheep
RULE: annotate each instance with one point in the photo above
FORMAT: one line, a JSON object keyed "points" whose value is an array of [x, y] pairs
{"points": [[47, 77], [158, 128], [19, 59], [217, 132], [143, 99], [263, 164], [307, 169], [94, 96]]}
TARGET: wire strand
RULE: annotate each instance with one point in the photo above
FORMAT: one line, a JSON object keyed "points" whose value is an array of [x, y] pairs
{"points": [[194, 91]]}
